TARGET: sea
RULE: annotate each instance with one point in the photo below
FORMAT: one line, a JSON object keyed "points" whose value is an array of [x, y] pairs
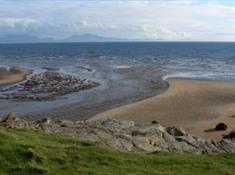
{"points": [[127, 71]]}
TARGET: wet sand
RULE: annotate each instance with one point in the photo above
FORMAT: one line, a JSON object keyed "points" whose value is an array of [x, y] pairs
{"points": [[13, 75], [195, 105], [117, 87]]}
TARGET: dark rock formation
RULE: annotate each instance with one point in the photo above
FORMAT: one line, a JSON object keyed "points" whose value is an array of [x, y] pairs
{"points": [[221, 127], [231, 135], [175, 131], [155, 122], [47, 86], [128, 135]]}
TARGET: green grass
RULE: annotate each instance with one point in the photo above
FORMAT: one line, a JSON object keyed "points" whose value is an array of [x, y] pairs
{"points": [[34, 152]]}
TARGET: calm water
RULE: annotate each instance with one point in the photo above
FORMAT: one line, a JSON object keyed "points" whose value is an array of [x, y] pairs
{"points": [[121, 66]]}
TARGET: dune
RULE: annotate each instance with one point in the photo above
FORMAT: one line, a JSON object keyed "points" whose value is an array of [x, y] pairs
{"points": [[12, 75], [195, 105]]}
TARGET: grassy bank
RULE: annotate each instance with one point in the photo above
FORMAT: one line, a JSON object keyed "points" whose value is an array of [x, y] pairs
{"points": [[34, 152]]}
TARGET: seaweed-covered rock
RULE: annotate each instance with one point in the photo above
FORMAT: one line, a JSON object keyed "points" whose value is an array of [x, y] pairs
{"points": [[221, 127], [47, 86]]}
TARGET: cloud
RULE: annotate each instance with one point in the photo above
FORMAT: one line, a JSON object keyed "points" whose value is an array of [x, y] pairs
{"points": [[165, 34], [163, 20], [16, 22]]}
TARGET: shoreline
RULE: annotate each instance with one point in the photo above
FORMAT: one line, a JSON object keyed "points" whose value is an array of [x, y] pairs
{"points": [[195, 105], [14, 75], [94, 104]]}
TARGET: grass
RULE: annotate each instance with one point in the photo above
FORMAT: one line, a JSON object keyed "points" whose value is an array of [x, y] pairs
{"points": [[30, 152]]}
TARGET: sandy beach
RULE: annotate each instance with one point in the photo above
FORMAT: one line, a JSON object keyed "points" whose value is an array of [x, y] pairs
{"points": [[12, 75], [195, 105]]}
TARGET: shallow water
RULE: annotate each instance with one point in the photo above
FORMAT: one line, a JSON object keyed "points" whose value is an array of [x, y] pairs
{"points": [[126, 71]]}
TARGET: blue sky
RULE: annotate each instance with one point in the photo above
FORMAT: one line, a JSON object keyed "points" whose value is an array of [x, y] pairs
{"points": [[151, 20]]}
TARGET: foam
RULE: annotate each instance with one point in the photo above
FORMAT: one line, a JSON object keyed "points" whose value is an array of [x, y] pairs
{"points": [[121, 67]]}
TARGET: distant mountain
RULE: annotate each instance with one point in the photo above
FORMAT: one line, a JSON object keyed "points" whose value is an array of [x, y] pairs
{"points": [[24, 39], [74, 38], [90, 38]]}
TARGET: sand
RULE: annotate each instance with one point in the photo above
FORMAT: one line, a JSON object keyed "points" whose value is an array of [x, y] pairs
{"points": [[195, 105], [13, 75]]}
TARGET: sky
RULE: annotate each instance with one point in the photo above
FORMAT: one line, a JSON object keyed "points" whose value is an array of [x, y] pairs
{"points": [[145, 20]]}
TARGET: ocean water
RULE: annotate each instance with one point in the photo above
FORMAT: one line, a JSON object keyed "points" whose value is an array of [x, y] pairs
{"points": [[123, 67], [191, 60]]}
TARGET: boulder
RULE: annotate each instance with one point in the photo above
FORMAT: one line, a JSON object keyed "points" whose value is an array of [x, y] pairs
{"points": [[221, 127], [66, 123], [175, 131], [155, 122], [11, 118], [46, 121], [231, 135]]}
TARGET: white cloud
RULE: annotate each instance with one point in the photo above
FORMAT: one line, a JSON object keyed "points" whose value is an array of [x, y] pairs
{"points": [[14, 22], [165, 34], [165, 20]]}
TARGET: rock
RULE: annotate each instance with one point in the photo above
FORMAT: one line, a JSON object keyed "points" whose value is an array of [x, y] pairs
{"points": [[47, 86], [66, 123], [227, 145], [231, 135], [130, 136], [154, 122], [144, 137], [46, 121], [175, 131], [221, 127], [11, 118]]}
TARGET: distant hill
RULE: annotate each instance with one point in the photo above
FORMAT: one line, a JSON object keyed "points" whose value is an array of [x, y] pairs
{"points": [[24, 39], [74, 38], [90, 38]]}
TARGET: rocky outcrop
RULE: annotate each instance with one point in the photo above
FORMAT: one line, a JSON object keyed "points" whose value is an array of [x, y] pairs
{"points": [[128, 135], [47, 86]]}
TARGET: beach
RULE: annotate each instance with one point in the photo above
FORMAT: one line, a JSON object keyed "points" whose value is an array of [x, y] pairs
{"points": [[124, 81], [12, 75], [195, 105]]}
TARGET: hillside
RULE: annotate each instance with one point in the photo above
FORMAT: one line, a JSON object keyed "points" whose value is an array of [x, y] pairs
{"points": [[34, 148], [26, 151], [71, 39]]}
